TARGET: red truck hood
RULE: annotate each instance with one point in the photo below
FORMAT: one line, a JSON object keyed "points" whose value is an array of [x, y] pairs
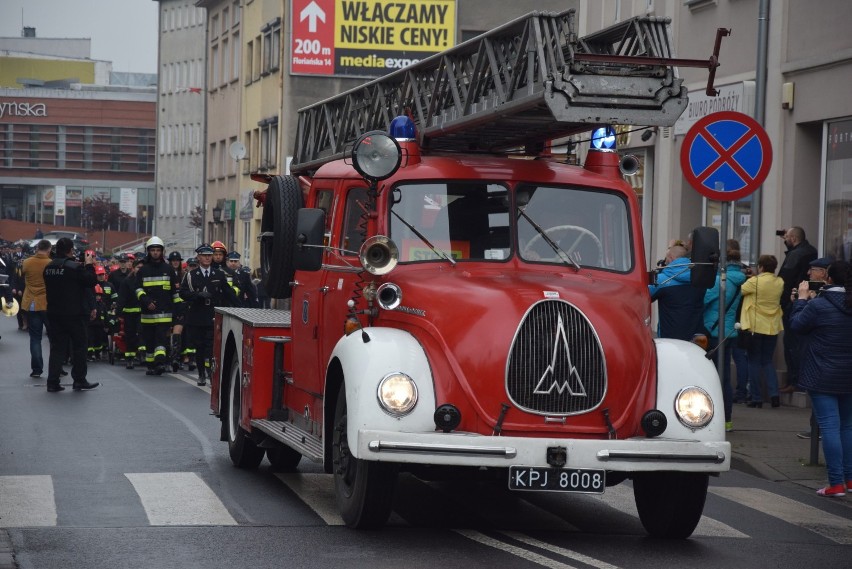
{"points": [[470, 318]]}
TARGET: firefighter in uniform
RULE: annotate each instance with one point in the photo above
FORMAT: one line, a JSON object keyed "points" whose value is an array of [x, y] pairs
{"points": [[204, 288], [219, 262], [177, 336], [242, 278], [130, 310], [157, 291]]}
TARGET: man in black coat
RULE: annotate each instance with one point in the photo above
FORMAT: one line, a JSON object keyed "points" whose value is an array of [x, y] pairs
{"points": [[203, 289], [67, 283], [793, 270]]}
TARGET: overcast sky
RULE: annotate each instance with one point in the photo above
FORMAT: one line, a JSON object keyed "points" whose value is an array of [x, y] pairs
{"points": [[122, 31]]}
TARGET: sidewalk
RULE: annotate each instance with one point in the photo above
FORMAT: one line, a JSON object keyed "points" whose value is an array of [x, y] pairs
{"points": [[764, 443]]}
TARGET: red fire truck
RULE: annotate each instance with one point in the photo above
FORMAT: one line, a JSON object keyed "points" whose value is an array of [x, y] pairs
{"points": [[460, 300]]}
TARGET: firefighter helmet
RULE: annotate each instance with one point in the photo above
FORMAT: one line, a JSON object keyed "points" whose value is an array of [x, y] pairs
{"points": [[100, 270], [154, 242], [217, 245]]}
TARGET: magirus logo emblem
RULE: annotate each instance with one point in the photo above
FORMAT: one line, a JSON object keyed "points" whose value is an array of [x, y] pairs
{"points": [[560, 374]]}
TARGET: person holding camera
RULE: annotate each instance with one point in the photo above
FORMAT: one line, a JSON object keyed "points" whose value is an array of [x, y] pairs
{"points": [[825, 320], [67, 283], [203, 289], [793, 270]]}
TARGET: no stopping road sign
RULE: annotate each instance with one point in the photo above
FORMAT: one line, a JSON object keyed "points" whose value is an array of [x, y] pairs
{"points": [[726, 156]]}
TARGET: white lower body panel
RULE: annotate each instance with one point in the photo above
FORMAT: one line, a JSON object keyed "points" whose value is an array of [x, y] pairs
{"points": [[465, 449]]}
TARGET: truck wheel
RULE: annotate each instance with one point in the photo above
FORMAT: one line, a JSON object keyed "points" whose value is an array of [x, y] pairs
{"points": [[670, 503], [364, 489], [283, 201], [283, 458], [244, 453]]}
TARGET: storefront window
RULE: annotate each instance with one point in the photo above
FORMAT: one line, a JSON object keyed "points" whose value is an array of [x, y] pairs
{"points": [[837, 221]]}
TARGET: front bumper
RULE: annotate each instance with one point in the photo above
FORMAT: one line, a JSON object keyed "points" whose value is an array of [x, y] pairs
{"points": [[467, 449]]}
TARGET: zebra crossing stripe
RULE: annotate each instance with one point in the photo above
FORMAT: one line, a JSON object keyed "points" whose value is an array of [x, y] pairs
{"points": [[179, 499], [27, 501], [317, 491], [621, 498], [828, 525]]}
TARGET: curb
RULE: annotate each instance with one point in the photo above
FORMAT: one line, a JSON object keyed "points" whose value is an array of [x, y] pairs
{"points": [[7, 554]]}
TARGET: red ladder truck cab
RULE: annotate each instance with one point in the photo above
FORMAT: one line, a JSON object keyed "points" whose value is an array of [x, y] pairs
{"points": [[461, 312]]}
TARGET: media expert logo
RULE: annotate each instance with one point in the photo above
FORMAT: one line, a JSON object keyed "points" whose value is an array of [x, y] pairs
{"points": [[16, 109]]}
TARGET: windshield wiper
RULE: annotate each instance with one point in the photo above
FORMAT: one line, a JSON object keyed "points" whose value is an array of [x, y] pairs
{"points": [[565, 257], [422, 237]]}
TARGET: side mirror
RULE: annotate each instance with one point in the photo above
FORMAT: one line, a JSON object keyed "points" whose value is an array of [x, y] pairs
{"points": [[310, 229], [705, 257]]}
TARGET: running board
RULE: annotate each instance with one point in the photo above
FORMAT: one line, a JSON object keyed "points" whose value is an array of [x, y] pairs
{"points": [[292, 436]]}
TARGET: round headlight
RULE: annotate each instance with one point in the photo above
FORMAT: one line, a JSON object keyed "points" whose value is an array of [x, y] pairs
{"points": [[694, 407], [397, 394]]}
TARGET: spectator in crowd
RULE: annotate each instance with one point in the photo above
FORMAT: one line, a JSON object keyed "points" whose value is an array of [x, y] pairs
{"points": [[681, 305], [735, 277], [66, 282], [35, 302], [125, 262], [793, 270], [826, 320], [761, 316], [739, 355], [39, 234]]}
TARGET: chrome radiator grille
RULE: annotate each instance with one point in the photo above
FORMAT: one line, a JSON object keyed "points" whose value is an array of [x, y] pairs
{"points": [[556, 365]]}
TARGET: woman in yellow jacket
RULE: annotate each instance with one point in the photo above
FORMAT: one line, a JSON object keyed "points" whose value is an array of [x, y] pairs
{"points": [[761, 313]]}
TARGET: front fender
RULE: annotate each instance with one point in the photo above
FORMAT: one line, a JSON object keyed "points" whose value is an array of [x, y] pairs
{"points": [[365, 364], [681, 364]]}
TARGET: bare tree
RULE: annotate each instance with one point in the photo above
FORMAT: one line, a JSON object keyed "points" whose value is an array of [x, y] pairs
{"points": [[100, 213], [196, 217]]}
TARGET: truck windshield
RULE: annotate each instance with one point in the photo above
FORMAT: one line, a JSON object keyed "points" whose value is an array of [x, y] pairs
{"points": [[472, 221], [590, 226], [467, 220]]}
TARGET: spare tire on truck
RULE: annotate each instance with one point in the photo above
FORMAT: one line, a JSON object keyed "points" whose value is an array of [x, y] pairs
{"points": [[278, 235]]}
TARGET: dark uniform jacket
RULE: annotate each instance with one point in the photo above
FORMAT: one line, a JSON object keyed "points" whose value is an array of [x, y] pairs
{"points": [[116, 277], [156, 282], [195, 289], [128, 303], [247, 294], [68, 284], [794, 269], [827, 358]]}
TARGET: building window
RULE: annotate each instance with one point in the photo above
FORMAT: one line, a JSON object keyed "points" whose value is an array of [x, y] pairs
{"points": [[268, 143], [214, 67], [837, 209], [235, 57], [271, 46], [34, 146], [226, 61], [249, 62]]}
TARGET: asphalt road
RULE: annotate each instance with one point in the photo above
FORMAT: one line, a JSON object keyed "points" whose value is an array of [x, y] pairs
{"points": [[132, 474]]}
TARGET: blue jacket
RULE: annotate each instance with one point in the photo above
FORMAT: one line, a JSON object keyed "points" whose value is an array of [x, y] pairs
{"points": [[680, 304], [735, 279], [825, 322]]}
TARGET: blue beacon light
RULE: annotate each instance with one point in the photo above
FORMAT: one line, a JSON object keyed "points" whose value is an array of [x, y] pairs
{"points": [[603, 138], [402, 128]]}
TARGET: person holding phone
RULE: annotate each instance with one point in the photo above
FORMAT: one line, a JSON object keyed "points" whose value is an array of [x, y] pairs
{"points": [[66, 284], [826, 360]]}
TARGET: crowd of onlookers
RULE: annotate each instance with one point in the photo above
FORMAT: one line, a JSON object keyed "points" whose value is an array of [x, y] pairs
{"points": [[806, 301]]}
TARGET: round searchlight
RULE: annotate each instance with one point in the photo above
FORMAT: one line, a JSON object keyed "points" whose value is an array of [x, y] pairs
{"points": [[376, 156], [603, 138]]}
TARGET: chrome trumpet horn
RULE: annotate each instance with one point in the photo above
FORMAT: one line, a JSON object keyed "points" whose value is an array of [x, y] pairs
{"points": [[378, 255]]}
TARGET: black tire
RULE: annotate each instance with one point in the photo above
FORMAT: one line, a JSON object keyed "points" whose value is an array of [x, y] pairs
{"points": [[670, 503], [363, 489], [283, 458], [280, 212], [244, 453]]}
